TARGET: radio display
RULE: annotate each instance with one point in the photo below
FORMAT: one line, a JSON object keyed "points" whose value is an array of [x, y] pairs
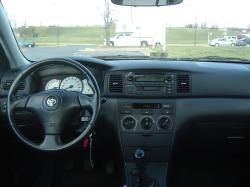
{"points": [[149, 78], [147, 105]]}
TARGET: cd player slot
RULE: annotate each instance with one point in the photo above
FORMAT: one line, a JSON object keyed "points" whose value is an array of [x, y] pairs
{"points": [[149, 88]]}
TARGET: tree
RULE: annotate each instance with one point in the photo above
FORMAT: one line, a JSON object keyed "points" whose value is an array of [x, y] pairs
{"points": [[108, 21], [204, 25], [214, 26]]}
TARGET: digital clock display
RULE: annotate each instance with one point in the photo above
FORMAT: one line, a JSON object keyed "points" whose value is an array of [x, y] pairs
{"points": [[149, 78], [147, 105]]}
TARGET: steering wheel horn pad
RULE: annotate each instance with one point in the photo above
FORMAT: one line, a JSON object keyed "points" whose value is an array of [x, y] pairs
{"points": [[52, 102]]}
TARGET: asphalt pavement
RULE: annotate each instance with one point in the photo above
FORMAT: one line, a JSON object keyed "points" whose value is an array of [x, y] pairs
{"points": [[42, 52]]}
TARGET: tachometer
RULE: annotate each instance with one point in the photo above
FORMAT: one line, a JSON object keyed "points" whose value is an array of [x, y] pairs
{"points": [[86, 88], [71, 84], [52, 84]]}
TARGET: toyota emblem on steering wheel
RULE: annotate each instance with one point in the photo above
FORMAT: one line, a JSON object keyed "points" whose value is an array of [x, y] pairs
{"points": [[51, 101]]}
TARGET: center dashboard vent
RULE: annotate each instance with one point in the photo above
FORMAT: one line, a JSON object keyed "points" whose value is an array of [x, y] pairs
{"points": [[183, 84], [115, 83], [6, 84]]}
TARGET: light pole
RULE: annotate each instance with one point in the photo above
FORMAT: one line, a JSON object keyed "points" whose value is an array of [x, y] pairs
{"points": [[208, 37], [195, 31], [57, 35], [131, 14]]}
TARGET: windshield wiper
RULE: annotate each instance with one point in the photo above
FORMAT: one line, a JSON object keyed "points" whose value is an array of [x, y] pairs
{"points": [[127, 57], [218, 59], [200, 59]]}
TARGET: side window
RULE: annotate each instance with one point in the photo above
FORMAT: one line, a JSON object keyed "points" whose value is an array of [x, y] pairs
{"points": [[118, 35], [128, 34]]}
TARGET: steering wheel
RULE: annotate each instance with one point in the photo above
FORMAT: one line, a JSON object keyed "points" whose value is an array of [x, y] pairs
{"points": [[53, 108]]}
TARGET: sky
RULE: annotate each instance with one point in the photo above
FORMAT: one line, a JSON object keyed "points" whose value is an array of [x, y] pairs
{"points": [[224, 13]]}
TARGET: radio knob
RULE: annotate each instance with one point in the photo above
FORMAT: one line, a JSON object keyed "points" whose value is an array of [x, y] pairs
{"points": [[169, 78], [130, 78], [164, 123], [147, 123]]}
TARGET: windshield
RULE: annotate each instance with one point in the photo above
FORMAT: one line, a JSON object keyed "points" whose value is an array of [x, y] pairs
{"points": [[192, 29]]}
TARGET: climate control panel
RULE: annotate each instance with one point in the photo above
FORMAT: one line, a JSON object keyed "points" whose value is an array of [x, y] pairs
{"points": [[148, 117]]}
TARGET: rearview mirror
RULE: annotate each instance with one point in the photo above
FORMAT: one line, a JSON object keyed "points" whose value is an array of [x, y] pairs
{"points": [[146, 2]]}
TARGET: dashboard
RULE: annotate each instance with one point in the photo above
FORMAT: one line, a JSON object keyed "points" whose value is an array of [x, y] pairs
{"points": [[155, 106], [147, 103]]}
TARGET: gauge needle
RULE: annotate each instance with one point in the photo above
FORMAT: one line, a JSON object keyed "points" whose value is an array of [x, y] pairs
{"points": [[71, 86]]}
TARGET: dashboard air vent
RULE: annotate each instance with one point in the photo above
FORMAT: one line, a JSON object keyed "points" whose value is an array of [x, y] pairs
{"points": [[183, 83], [115, 83], [7, 84]]}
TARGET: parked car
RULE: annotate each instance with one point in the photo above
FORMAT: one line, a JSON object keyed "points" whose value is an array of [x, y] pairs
{"points": [[222, 42], [232, 38], [130, 39], [243, 40], [26, 43]]}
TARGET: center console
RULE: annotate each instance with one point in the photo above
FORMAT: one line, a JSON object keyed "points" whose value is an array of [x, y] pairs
{"points": [[146, 123], [146, 132]]}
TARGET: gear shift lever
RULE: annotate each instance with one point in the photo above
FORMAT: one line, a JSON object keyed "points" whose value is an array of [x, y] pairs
{"points": [[143, 179]]}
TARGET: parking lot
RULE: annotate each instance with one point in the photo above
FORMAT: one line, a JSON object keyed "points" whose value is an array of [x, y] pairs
{"points": [[41, 52]]}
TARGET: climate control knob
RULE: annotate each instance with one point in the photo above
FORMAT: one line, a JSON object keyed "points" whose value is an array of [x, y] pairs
{"points": [[128, 122], [164, 123], [147, 123]]}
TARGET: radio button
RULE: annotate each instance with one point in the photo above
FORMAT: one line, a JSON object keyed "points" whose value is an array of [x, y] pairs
{"points": [[147, 112], [166, 106], [166, 111], [126, 112]]}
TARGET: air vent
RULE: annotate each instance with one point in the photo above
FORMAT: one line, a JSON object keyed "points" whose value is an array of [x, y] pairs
{"points": [[7, 84], [183, 84], [115, 83]]}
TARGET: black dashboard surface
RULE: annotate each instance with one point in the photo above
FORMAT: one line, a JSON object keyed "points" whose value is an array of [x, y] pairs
{"points": [[209, 79], [219, 95], [217, 88]]}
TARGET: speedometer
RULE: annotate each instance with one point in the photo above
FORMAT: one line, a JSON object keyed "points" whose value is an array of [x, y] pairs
{"points": [[52, 84], [71, 84]]}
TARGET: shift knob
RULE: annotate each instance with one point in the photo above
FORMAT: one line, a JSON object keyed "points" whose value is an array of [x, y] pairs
{"points": [[139, 154]]}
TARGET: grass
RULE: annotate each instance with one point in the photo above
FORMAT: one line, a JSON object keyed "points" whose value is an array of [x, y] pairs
{"points": [[58, 35], [196, 52], [190, 36]]}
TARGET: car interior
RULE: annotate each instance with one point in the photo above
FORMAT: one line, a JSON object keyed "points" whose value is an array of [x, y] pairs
{"points": [[140, 122]]}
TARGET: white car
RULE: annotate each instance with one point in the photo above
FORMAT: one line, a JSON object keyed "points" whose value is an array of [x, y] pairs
{"points": [[222, 42], [130, 39], [232, 38]]}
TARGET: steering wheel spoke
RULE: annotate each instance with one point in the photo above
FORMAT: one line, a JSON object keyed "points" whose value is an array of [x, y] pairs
{"points": [[51, 142], [87, 102], [19, 104]]}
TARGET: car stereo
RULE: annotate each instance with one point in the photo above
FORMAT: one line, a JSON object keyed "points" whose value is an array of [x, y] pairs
{"points": [[150, 84]]}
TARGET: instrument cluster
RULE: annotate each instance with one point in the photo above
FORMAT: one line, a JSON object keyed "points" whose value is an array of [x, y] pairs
{"points": [[69, 83]]}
